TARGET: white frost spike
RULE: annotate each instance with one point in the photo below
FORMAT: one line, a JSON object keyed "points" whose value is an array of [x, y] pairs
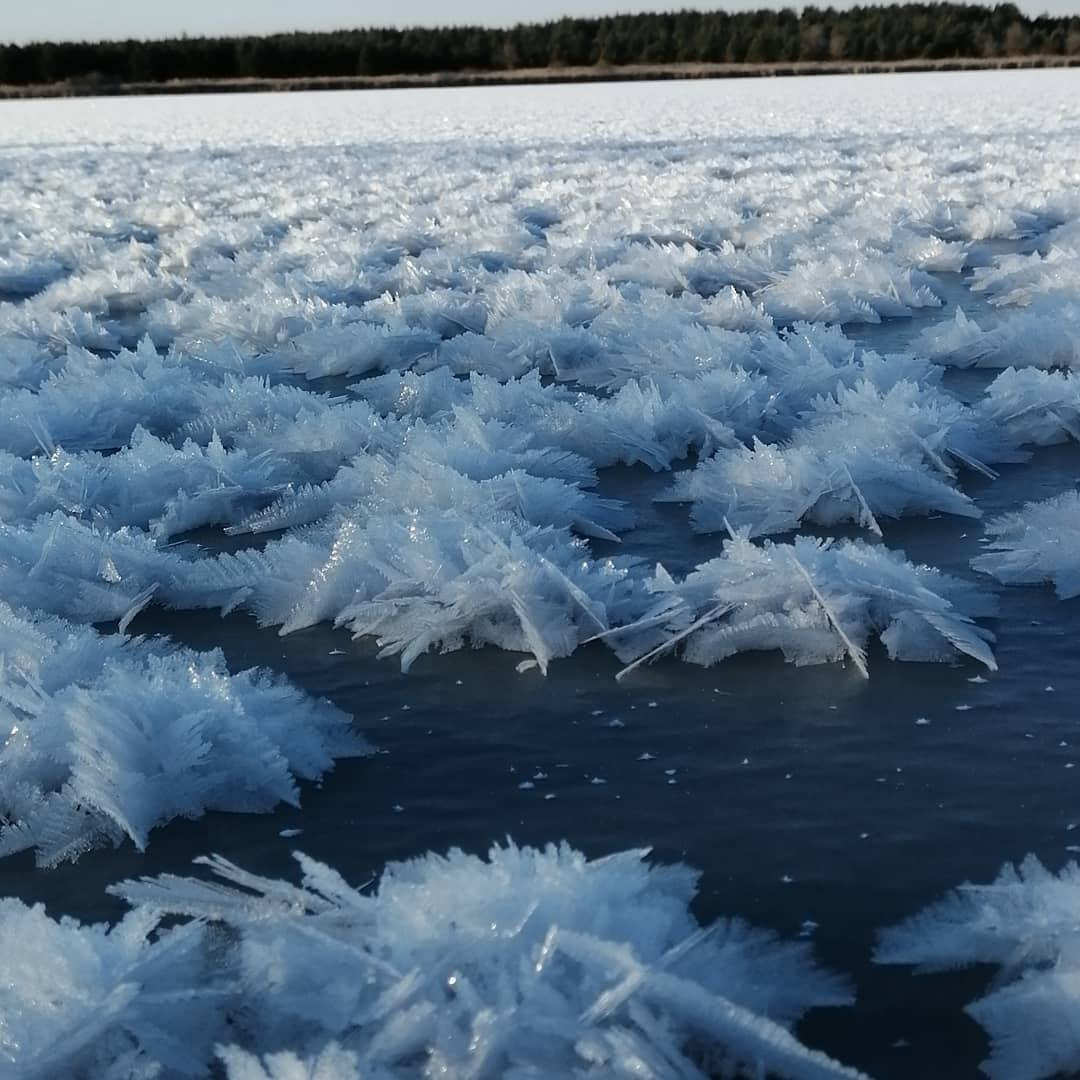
{"points": [[858, 657], [1038, 543], [533, 961], [866, 515], [137, 604], [1027, 923], [717, 612]]}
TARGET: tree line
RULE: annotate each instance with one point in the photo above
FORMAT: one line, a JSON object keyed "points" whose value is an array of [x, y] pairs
{"points": [[900, 32]]}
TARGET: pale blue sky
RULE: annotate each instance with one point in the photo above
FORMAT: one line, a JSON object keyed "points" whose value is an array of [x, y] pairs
{"points": [[80, 20]]}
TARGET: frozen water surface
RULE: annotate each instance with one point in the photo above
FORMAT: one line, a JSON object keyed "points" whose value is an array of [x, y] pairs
{"points": [[577, 375]]}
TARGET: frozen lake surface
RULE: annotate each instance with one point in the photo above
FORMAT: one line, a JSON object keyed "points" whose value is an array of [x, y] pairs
{"points": [[372, 334]]}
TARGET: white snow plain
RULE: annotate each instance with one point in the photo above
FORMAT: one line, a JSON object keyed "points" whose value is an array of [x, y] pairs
{"points": [[407, 332]]}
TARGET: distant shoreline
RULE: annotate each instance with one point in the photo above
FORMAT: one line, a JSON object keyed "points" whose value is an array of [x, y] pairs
{"points": [[531, 76]]}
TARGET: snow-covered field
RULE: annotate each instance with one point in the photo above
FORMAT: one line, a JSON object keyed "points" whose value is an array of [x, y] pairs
{"points": [[386, 361]]}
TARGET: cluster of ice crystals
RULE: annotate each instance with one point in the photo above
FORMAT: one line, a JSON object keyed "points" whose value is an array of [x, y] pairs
{"points": [[98, 1002], [1038, 322], [839, 290], [859, 454], [105, 737], [432, 578], [815, 601], [81, 571], [1038, 543], [528, 962], [1018, 280], [149, 483], [1026, 923], [1044, 335], [1032, 406]]}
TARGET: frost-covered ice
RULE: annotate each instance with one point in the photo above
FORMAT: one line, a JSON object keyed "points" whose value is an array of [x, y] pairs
{"points": [[529, 962], [1037, 543], [396, 343], [508, 334], [106, 737], [415, 362], [402, 368], [1025, 923]]}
